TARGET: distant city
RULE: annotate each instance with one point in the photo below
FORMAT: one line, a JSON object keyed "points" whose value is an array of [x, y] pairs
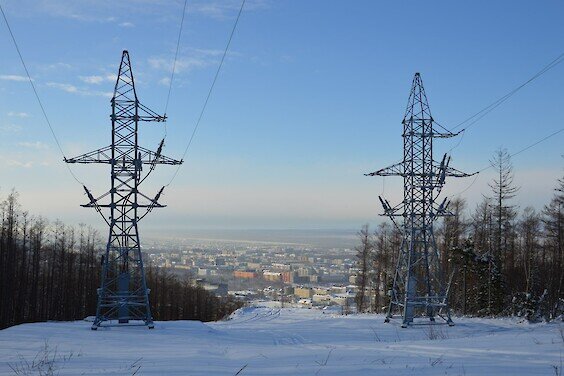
{"points": [[249, 267]]}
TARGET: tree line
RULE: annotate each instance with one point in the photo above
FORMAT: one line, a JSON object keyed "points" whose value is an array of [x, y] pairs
{"points": [[51, 271], [498, 260]]}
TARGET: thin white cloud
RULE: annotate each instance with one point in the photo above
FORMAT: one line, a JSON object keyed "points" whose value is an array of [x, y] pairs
{"points": [[98, 79], [64, 87], [69, 88], [287, 58], [104, 11], [212, 52], [15, 163], [24, 164], [66, 9], [182, 64], [62, 66], [206, 52], [159, 63], [224, 9], [214, 9], [194, 58], [18, 114], [38, 145], [100, 11], [10, 128], [105, 94], [165, 81], [13, 77], [92, 79]]}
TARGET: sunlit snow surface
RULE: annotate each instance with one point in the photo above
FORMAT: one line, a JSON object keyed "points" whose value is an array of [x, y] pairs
{"points": [[288, 341]]}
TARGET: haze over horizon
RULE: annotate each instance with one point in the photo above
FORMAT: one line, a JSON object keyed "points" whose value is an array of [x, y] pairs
{"points": [[311, 97]]}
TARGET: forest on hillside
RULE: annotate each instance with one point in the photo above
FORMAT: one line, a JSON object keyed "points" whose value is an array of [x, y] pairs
{"points": [[499, 259], [51, 271]]}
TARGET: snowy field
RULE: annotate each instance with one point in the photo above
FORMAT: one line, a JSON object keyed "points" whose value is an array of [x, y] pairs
{"points": [[289, 341]]}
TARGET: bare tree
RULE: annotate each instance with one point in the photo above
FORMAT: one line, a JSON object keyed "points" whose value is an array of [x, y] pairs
{"points": [[503, 190], [553, 258], [529, 227], [364, 258], [452, 232], [50, 272]]}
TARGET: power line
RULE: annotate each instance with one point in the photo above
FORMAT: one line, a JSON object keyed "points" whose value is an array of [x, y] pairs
{"points": [[473, 119], [489, 108], [36, 94], [492, 106], [538, 142], [175, 60], [210, 90], [528, 147], [463, 133], [511, 156], [469, 186]]}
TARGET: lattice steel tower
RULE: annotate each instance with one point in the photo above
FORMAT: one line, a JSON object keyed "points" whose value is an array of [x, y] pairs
{"points": [[123, 294], [419, 288]]}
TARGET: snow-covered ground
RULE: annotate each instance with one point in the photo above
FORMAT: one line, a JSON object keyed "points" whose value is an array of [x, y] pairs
{"points": [[289, 341]]}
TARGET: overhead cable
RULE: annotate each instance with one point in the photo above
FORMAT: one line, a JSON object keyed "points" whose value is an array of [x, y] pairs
{"points": [[209, 91], [174, 61], [37, 95]]}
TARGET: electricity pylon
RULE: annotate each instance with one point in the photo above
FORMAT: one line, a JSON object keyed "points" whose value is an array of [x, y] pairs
{"points": [[123, 294], [419, 287]]}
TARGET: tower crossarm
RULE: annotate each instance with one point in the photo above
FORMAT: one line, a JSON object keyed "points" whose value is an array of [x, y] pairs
{"points": [[102, 155], [94, 204], [150, 202], [393, 170], [90, 205], [431, 132], [390, 211], [447, 134], [154, 204], [451, 171], [444, 133], [442, 209], [442, 170], [150, 157], [146, 114]]}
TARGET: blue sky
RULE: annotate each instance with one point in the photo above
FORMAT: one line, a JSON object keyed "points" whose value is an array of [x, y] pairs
{"points": [[311, 96]]}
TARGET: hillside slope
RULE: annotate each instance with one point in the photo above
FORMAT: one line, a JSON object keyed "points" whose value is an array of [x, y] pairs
{"points": [[290, 341]]}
